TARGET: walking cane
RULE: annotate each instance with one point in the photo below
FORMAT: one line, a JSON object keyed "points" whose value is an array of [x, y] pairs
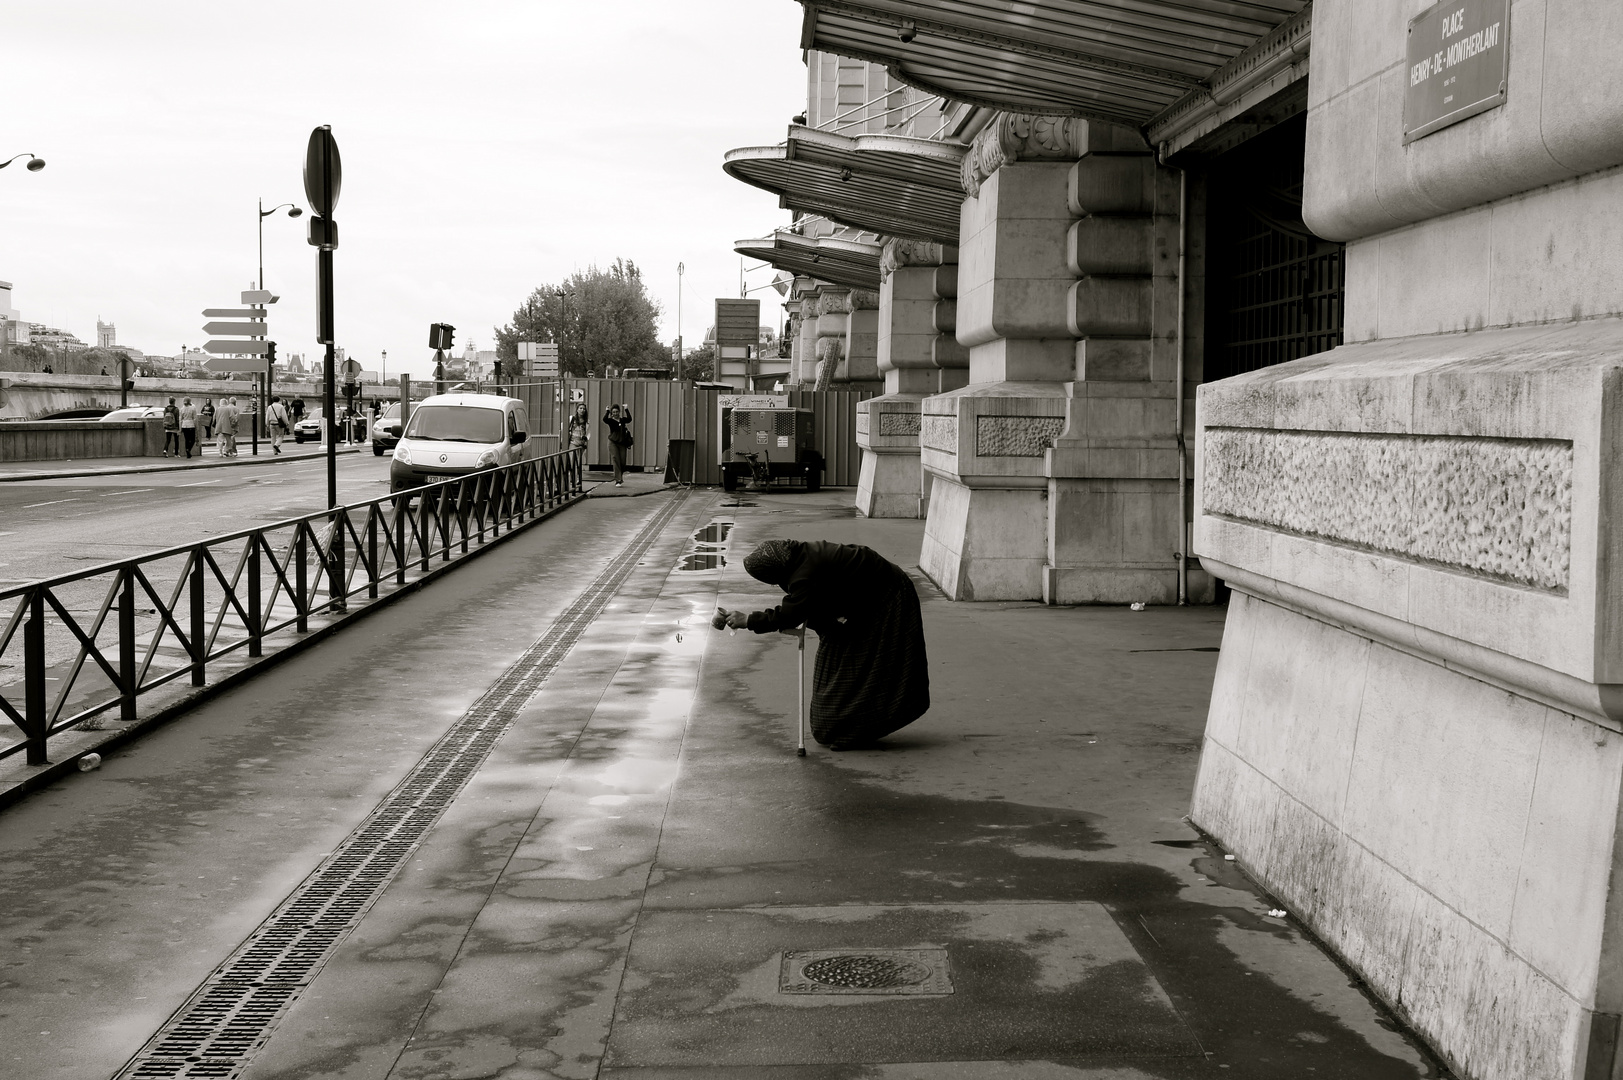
{"points": [[800, 695]]}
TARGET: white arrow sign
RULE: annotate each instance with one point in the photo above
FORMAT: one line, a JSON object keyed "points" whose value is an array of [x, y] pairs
{"points": [[235, 363], [246, 329], [228, 348]]}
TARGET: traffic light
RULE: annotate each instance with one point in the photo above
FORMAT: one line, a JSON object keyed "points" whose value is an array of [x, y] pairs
{"points": [[270, 351], [440, 335], [498, 371]]}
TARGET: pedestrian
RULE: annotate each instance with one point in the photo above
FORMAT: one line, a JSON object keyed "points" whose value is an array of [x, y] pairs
{"points": [[171, 428], [229, 414], [205, 423], [618, 420], [277, 424], [188, 427], [871, 676], [297, 409], [579, 429]]}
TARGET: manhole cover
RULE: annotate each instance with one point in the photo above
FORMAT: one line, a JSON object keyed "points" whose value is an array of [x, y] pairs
{"points": [[865, 971]]}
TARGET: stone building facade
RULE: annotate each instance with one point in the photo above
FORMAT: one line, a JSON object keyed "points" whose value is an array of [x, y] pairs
{"points": [[1318, 305]]}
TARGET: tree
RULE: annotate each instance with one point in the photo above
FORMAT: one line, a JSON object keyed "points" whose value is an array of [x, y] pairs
{"points": [[700, 364], [604, 319]]}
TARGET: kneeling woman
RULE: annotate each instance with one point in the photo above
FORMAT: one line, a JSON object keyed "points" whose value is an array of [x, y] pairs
{"points": [[871, 676]]}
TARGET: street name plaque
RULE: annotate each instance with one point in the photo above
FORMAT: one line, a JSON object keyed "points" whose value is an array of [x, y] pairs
{"points": [[1459, 59]]}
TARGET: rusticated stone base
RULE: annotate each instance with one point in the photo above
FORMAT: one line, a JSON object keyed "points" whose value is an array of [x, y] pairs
{"points": [[985, 543], [892, 485], [1451, 841]]}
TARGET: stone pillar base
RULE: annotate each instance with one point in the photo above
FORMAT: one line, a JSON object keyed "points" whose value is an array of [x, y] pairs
{"points": [[1112, 540], [891, 485], [985, 543]]}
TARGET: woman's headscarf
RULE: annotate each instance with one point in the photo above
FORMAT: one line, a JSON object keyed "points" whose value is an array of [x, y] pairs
{"points": [[772, 562]]}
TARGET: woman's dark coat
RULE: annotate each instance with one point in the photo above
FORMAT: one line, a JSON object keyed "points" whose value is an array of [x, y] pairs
{"points": [[872, 675]]}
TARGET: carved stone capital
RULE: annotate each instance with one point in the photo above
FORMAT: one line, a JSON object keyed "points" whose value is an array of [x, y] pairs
{"points": [[898, 253], [834, 303], [1019, 137], [863, 300]]}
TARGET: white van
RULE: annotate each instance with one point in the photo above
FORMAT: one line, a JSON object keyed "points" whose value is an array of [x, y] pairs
{"points": [[455, 434]]}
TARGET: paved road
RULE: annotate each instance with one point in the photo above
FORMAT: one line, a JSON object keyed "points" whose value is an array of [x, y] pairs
{"points": [[51, 527]]}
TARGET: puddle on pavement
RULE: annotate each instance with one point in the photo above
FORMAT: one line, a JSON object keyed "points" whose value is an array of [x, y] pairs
{"points": [[707, 548]]}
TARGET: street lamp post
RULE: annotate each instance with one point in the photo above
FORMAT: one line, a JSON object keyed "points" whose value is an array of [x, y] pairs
{"points": [[563, 322], [292, 212], [270, 374], [679, 269]]}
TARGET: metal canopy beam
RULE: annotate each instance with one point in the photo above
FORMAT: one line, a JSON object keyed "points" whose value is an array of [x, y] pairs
{"points": [[1123, 61], [851, 263], [886, 184]]}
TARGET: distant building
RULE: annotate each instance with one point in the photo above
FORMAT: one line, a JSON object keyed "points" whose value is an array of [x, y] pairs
{"points": [[13, 331], [106, 335], [54, 338]]}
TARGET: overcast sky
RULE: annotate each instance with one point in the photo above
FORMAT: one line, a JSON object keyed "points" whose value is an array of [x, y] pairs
{"points": [[487, 147]]}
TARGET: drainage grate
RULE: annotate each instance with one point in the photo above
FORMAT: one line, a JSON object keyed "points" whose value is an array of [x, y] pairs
{"points": [[232, 1014], [865, 971]]}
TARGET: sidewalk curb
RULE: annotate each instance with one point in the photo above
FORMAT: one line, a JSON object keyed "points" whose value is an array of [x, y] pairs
{"points": [[132, 470]]}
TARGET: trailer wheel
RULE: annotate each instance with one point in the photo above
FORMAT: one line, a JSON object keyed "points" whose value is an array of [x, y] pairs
{"points": [[814, 478], [729, 481]]}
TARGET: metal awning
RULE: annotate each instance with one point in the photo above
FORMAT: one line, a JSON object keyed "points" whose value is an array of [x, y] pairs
{"points": [[888, 184], [1123, 61], [851, 263]]}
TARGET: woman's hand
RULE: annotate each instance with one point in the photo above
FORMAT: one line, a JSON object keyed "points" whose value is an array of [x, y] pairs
{"points": [[738, 620]]}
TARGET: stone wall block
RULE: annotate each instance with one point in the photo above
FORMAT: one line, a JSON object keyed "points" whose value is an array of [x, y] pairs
{"points": [[944, 316], [1112, 359], [831, 324], [947, 353], [1109, 184], [1110, 244], [945, 282], [1562, 118], [1109, 307], [861, 352]]}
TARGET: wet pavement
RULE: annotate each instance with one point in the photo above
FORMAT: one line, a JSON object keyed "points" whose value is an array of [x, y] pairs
{"points": [[642, 880]]}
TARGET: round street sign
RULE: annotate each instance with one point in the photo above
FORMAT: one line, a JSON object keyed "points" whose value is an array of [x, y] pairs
{"points": [[322, 171]]}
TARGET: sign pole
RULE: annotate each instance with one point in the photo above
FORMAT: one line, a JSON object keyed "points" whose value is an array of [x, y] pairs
{"points": [[328, 388]]}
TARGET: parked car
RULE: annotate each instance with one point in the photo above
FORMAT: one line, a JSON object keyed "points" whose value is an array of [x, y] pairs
{"points": [[309, 428], [134, 412], [455, 434], [386, 430]]}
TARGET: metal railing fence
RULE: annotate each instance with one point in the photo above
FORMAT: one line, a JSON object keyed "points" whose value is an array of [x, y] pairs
{"points": [[76, 649]]}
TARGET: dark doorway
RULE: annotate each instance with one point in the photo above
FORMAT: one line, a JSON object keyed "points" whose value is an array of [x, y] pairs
{"points": [[1274, 290]]}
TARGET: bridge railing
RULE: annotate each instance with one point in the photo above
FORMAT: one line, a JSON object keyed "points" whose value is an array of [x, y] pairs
{"points": [[93, 648]]}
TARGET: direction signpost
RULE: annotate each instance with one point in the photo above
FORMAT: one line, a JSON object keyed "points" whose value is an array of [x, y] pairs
{"points": [[538, 359], [323, 172], [255, 355]]}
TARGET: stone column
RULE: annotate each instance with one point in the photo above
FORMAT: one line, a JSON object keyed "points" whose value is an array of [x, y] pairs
{"points": [[806, 343], [1116, 521], [918, 356], [833, 305], [859, 366], [988, 531], [791, 334]]}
